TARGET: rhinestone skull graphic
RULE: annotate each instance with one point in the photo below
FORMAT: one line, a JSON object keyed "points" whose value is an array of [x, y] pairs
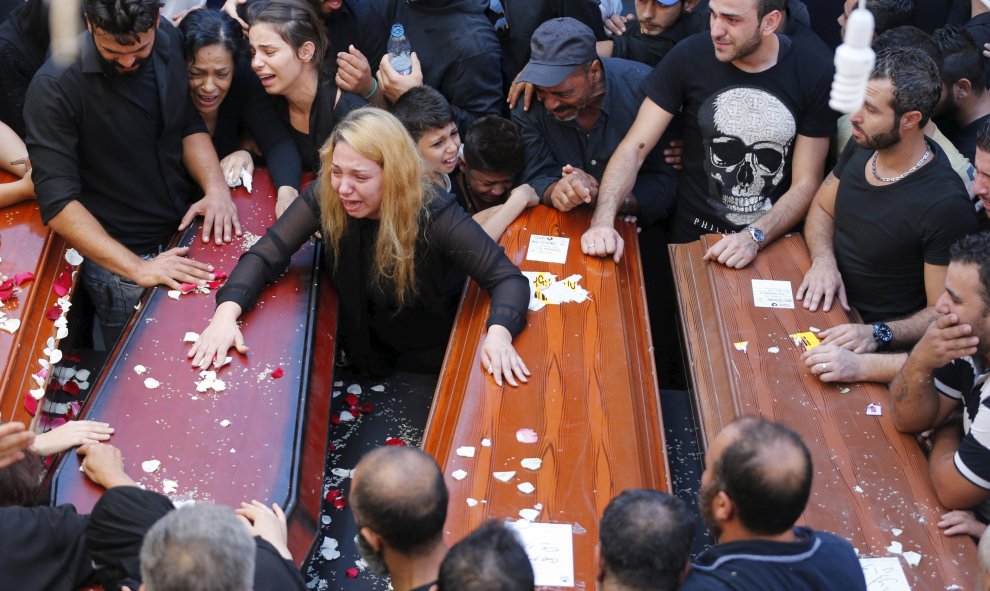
{"points": [[749, 137]]}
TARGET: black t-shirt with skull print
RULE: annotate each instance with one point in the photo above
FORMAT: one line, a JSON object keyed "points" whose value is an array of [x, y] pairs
{"points": [[739, 129]]}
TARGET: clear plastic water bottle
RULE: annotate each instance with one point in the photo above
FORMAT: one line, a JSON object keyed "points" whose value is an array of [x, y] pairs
{"points": [[399, 50]]}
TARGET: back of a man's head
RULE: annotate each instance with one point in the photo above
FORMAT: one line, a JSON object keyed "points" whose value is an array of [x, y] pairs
{"points": [[645, 539], [909, 36], [888, 14], [123, 19], [963, 57], [198, 548], [766, 470], [493, 144], [489, 559], [399, 493]]}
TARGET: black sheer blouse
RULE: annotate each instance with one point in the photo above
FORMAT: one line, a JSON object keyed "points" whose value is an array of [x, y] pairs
{"points": [[378, 335]]}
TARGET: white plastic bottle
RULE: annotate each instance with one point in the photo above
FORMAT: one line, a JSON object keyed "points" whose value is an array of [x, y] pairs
{"points": [[399, 50]]}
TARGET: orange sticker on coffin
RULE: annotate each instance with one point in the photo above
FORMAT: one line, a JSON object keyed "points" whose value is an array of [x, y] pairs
{"points": [[808, 340]]}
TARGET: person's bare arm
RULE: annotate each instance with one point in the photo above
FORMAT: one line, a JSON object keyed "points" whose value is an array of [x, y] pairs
{"points": [[836, 364], [495, 220], [953, 489], [738, 250], [14, 439], [85, 234], [602, 239], [822, 283], [218, 211]]}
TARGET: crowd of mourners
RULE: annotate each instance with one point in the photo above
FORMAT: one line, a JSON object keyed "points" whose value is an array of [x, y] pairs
{"points": [[407, 136]]}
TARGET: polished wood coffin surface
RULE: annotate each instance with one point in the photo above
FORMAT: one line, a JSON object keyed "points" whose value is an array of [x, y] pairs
{"points": [[869, 479], [274, 447], [26, 245], [592, 398]]}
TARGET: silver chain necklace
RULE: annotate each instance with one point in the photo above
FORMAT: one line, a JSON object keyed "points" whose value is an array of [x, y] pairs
{"points": [[894, 179]]}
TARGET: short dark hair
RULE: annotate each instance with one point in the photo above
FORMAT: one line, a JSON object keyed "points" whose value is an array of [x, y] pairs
{"points": [[124, 19], [917, 86], [983, 137], [295, 21], [963, 58], [758, 473], [909, 36], [204, 27], [488, 559], [974, 249], [421, 109], [407, 517], [765, 7], [888, 14], [20, 482], [494, 144], [646, 539]]}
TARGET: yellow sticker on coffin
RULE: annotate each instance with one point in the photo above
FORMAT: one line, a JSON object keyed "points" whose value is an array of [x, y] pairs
{"points": [[808, 340]]}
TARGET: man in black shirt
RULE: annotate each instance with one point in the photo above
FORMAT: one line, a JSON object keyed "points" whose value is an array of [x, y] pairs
{"points": [[659, 26], [756, 133], [114, 139], [881, 225], [965, 105]]}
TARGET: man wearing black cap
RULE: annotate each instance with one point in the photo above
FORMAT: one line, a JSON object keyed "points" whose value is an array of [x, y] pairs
{"points": [[756, 132], [585, 105]]}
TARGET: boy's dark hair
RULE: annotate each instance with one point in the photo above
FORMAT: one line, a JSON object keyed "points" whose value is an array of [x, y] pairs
{"points": [[124, 19], [421, 109], [494, 144], [489, 559], [646, 539]]}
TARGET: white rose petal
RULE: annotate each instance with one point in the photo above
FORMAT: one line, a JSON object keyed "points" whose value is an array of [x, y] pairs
{"points": [[169, 486], [529, 514], [342, 472], [912, 558], [471, 502], [459, 474], [465, 451], [338, 384], [329, 549], [531, 463], [895, 548], [174, 294], [73, 257], [225, 423], [61, 333], [504, 476], [219, 385], [151, 383], [378, 388], [345, 416], [37, 393], [354, 389], [83, 385], [526, 487], [486, 443], [150, 466], [190, 337], [55, 356], [896, 531], [10, 325], [140, 369], [62, 322], [773, 350], [38, 379]]}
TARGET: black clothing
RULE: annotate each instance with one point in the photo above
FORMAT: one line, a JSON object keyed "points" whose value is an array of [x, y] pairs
{"points": [[524, 16], [378, 335], [964, 138], [91, 140], [24, 40], [43, 548], [740, 130], [814, 561], [8, 6], [884, 235], [459, 53], [116, 529], [323, 117], [650, 49], [357, 23], [425, 587], [979, 28], [272, 572], [248, 105], [551, 143]]}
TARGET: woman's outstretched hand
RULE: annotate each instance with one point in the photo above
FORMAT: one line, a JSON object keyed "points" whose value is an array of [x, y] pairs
{"points": [[221, 334], [499, 357]]}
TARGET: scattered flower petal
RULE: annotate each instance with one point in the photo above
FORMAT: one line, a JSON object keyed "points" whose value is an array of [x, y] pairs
{"points": [[459, 474], [150, 466], [350, 400], [529, 514], [912, 558], [169, 486], [190, 337], [858, 489], [53, 313], [63, 283], [151, 383], [526, 487], [174, 294], [339, 503], [843, 390], [395, 442], [277, 373], [187, 288], [527, 436], [12, 324], [531, 463], [346, 416], [61, 332], [54, 357], [140, 369], [37, 393], [73, 257], [896, 531], [773, 350], [378, 388], [30, 405], [21, 278], [895, 548], [367, 408], [329, 548], [82, 375], [486, 443], [471, 502], [465, 451], [354, 389], [338, 384], [504, 476], [342, 472], [333, 494], [71, 388], [352, 573]]}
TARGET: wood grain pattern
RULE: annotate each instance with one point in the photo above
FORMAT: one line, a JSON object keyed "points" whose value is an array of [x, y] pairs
{"points": [[26, 245], [592, 398], [869, 479], [274, 448]]}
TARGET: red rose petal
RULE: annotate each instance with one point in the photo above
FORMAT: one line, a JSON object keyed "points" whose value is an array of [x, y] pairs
{"points": [[23, 278], [352, 573], [63, 282], [74, 358], [354, 410], [350, 400], [53, 313], [5, 294], [74, 408], [395, 442], [214, 284], [71, 388], [335, 419], [219, 276], [58, 422], [367, 408], [339, 503], [332, 447], [187, 287], [30, 405], [333, 494], [8, 284], [278, 373]]}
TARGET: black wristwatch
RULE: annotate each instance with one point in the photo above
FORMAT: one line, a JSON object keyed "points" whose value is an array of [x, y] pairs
{"points": [[882, 335], [758, 236]]}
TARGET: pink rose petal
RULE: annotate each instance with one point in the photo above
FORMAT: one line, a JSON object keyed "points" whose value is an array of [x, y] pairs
{"points": [[23, 278]]}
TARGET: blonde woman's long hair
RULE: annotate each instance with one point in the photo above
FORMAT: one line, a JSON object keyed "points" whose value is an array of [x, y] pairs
{"points": [[378, 136]]}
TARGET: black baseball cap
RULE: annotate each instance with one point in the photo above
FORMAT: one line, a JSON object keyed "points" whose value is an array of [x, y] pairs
{"points": [[558, 46]]}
